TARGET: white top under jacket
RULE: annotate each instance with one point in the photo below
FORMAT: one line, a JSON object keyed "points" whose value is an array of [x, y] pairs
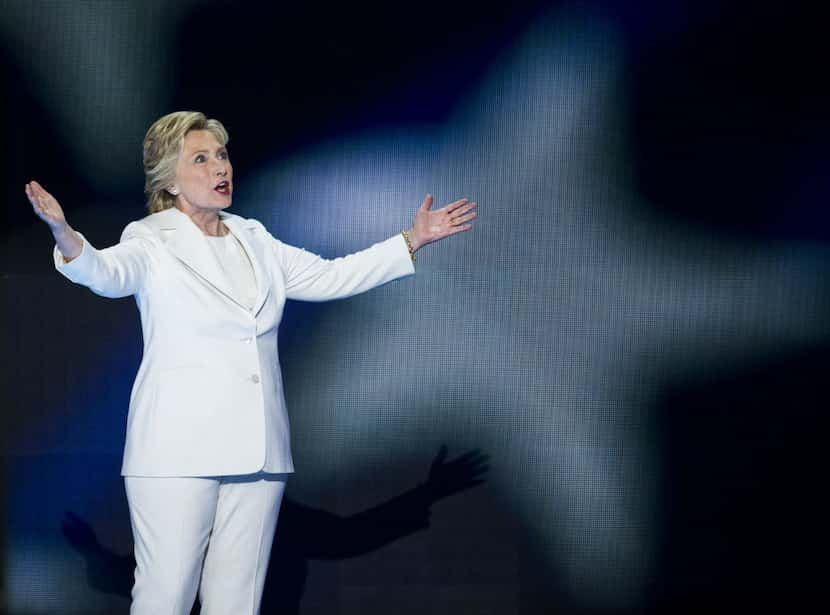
{"points": [[236, 265], [208, 396]]}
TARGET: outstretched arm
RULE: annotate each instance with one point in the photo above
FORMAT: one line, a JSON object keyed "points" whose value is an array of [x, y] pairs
{"points": [[117, 271], [329, 536], [311, 278]]}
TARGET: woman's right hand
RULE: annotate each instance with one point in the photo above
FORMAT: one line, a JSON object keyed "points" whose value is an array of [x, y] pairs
{"points": [[46, 207]]}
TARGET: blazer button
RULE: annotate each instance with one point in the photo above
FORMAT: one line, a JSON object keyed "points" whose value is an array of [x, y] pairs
{"points": [[255, 379]]}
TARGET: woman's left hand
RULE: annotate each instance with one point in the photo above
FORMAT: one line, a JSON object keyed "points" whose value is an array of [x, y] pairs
{"points": [[434, 224]]}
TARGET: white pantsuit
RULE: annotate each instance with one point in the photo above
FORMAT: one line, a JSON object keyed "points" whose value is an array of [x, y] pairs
{"points": [[208, 398], [217, 528]]}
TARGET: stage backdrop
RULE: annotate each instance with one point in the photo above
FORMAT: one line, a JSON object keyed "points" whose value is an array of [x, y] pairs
{"points": [[635, 333]]}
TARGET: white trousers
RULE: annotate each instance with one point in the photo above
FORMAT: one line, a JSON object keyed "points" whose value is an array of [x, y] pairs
{"points": [[217, 529]]}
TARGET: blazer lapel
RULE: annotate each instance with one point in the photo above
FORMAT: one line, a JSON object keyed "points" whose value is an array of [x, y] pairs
{"points": [[187, 243], [256, 254]]}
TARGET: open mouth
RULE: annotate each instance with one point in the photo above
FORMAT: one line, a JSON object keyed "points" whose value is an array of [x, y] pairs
{"points": [[223, 187]]}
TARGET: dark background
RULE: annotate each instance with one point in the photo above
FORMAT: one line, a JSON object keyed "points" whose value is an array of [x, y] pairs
{"points": [[635, 332]]}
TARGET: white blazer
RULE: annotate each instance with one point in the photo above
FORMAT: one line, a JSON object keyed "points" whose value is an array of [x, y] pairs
{"points": [[208, 396]]}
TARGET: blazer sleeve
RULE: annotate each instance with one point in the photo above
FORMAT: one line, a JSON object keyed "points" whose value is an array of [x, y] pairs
{"points": [[308, 277], [117, 271]]}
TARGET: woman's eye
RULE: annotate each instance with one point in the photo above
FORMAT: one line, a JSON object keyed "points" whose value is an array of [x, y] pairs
{"points": [[199, 158], [223, 155]]}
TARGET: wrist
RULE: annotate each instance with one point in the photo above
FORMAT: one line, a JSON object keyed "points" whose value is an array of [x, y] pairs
{"points": [[414, 239], [408, 240], [60, 230]]}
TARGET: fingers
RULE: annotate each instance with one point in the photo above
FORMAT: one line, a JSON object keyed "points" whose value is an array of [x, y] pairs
{"points": [[38, 191], [34, 200], [473, 455], [460, 212], [35, 189], [44, 204], [473, 463], [38, 202], [451, 207], [44, 196], [35, 192], [456, 204], [461, 209], [461, 219], [427, 203]]}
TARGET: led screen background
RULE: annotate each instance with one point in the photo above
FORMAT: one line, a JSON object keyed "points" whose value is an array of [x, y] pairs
{"points": [[635, 332]]}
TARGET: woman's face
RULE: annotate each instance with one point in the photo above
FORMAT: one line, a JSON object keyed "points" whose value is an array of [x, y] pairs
{"points": [[204, 175]]}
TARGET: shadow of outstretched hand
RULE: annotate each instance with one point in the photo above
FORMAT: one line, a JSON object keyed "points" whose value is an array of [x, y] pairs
{"points": [[447, 478], [106, 571]]}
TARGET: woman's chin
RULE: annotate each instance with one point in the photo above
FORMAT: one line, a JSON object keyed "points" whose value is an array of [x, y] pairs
{"points": [[221, 201]]}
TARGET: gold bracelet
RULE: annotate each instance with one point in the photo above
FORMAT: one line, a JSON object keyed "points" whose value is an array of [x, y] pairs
{"points": [[408, 245]]}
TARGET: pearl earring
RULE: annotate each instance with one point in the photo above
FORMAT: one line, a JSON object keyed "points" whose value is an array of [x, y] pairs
{"points": [[173, 191]]}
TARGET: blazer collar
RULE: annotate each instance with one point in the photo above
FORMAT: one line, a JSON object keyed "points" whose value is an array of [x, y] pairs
{"points": [[187, 243]]}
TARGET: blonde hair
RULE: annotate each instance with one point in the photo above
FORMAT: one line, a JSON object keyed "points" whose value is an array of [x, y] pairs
{"points": [[162, 146]]}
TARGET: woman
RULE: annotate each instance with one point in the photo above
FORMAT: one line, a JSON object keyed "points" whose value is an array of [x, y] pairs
{"points": [[207, 450]]}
